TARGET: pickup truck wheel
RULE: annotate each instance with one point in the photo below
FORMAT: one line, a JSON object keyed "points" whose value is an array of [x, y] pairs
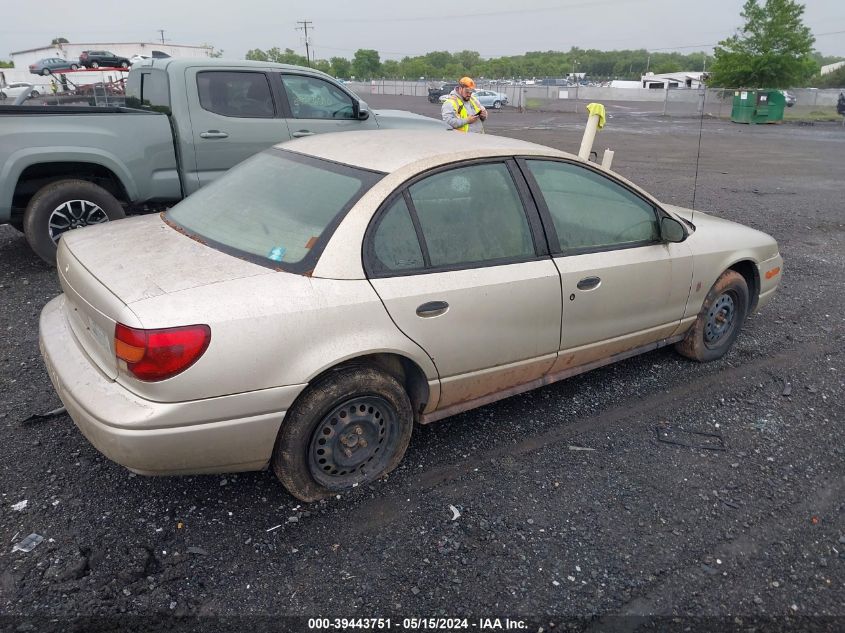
{"points": [[34, 94], [62, 206], [347, 429]]}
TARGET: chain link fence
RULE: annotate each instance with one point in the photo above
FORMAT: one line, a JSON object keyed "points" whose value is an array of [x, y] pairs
{"points": [[675, 102]]}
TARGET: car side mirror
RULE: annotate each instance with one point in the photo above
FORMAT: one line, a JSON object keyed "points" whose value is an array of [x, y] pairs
{"points": [[361, 111], [672, 230]]}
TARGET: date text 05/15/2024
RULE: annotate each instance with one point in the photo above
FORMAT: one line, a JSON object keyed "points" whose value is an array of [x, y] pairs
{"points": [[416, 624]]}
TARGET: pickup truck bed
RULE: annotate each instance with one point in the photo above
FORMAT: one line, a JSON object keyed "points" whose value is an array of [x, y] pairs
{"points": [[63, 167]]}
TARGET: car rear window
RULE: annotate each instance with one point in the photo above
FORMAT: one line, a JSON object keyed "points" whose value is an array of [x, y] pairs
{"points": [[278, 208]]}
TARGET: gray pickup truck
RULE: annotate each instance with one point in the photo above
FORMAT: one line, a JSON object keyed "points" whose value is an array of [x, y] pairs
{"points": [[187, 122]]}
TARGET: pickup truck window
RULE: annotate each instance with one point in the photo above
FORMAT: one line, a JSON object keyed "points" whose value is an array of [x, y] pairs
{"points": [[236, 94], [314, 98], [154, 90], [277, 208]]}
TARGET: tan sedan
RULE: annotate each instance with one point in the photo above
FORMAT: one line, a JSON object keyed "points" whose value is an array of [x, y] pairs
{"points": [[303, 311]]}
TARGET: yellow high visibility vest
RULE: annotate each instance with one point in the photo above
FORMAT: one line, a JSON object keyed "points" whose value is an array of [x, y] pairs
{"points": [[460, 109]]}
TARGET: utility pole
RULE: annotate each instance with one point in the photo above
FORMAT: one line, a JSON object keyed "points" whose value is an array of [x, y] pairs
{"points": [[161, 31], [305, 24]]}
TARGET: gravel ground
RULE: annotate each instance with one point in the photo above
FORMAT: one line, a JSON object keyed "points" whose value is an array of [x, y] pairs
{"points": [[575, 510]]}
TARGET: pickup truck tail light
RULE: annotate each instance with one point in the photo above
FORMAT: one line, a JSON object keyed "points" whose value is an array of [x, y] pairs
{"points": [[153, 355]]}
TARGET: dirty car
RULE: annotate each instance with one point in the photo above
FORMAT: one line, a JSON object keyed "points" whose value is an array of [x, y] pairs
{"points": [[368, 281]]}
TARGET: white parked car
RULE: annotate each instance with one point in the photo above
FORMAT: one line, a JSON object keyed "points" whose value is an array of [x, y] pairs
{"points": [[14, 90], [305, 309]]}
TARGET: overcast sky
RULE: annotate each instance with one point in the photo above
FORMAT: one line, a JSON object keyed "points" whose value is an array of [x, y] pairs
{"points": [[396, 28]]}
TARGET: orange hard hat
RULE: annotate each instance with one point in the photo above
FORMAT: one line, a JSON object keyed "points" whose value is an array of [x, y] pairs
{"points": [[467, 82]]}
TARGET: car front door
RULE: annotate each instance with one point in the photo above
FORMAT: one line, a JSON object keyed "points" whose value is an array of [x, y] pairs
{"points": [[315, 106], [459, 261], [233, 116], [623, 285]]}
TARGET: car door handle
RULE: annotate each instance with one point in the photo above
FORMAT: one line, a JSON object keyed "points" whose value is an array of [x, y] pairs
{"points": [[589, 283], [214, 134], [432, 309], [302, 133]]}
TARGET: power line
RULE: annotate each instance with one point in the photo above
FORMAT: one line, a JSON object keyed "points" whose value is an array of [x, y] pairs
{"points": [[305, 24]]}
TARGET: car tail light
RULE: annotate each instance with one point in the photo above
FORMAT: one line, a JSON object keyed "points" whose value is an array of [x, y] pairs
{"points": [[153, 355]]}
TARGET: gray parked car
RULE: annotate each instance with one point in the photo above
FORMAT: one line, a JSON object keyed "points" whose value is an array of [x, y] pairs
{"points": [[51, 64]]}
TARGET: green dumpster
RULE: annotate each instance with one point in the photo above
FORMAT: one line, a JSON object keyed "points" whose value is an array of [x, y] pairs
{"points": [[758, 106]]}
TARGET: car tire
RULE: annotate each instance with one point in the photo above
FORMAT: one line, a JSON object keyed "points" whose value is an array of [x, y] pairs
{"points": [[497, 105], [95, 64], [74, 66], [720, 320], [34, 94], [124, 64], [96, 205], [347, 429], [45, 72], [2, 96]]}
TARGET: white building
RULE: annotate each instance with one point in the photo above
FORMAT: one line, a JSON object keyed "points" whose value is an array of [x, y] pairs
{"points": [[682, 79], [826, 70], [72, 50]]}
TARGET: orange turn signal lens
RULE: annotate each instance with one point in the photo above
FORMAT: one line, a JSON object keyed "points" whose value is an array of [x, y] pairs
{"points": [[771, 273]]}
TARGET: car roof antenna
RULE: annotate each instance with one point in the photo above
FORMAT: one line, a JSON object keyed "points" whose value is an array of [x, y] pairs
{"points": [[698, 153]]}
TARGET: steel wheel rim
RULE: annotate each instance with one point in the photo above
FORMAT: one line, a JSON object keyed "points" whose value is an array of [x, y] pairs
{"points": [[721, 319], [353, 443], [74, 214]]}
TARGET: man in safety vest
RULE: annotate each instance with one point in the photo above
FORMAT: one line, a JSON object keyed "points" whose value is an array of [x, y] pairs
{"points": [[462, 111]]}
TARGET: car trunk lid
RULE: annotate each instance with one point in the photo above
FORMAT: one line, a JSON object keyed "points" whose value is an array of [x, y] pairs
{"points": [[104, 269]]}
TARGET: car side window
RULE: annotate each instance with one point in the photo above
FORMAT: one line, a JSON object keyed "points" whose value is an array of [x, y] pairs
{"points": [[395, 244], [235, 94], [314, 98], [590, 211], [471, 215]]}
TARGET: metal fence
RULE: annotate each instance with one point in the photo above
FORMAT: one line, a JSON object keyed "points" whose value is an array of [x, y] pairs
{"points": [[637, 101]]}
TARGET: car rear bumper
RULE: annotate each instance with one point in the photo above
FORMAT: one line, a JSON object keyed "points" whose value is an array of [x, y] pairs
{"points": [[225, 434]]}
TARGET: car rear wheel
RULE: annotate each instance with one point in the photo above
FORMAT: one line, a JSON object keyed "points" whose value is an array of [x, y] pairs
{"points": [[719, 321], [349, 428], [74, 66], [45, 72], [497, 104], [124, 64], [62, 206]]}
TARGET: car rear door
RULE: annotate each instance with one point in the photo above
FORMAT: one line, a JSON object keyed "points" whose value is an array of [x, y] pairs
{"points": [[314, 105], [234, 114], [459, 261], [623, 285]]}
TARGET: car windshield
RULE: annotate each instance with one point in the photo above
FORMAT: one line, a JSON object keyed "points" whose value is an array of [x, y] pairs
{"points": [[277, 209]]}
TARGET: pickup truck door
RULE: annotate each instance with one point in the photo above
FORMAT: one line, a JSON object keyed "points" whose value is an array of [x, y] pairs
{"points": [[234, 114], [315, 105]]}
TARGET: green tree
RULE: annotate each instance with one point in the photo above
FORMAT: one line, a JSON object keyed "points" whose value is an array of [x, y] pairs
{"points": [[341, 67], [59, 40], [257, 55], [5, 64], [772, 50], [366, 63]]}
